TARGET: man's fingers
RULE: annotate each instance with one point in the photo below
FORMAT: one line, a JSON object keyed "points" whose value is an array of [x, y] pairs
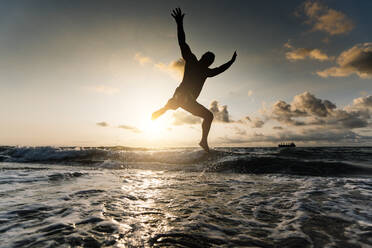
{"points": [[177, 13]]}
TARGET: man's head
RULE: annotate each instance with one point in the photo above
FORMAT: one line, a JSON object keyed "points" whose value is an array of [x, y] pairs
{"points": [[207, 58]]}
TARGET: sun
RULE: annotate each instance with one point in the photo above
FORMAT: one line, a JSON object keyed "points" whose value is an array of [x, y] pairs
{"points": [[154, 128]]}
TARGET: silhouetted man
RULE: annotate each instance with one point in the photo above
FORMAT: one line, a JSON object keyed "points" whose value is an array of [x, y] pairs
{"points": [[196, 72]]}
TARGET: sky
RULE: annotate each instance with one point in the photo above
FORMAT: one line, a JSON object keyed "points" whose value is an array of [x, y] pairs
{"points": [[90, 73]]}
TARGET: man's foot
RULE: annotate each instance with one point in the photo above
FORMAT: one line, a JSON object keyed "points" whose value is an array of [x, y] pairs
{"points": [[204, 145], [157, 114]]}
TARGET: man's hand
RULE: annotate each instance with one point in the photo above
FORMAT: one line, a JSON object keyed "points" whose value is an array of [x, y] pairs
{"points": [[234, 57], [178, 15]]}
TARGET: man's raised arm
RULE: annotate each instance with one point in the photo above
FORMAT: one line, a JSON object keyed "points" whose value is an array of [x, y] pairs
{"points": [[185, 49], [215, 71]]}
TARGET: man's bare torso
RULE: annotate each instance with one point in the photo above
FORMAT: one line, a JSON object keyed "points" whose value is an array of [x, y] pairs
{"points": [[193, 79]]}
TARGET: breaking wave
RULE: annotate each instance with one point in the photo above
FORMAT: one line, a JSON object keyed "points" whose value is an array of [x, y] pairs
{"points": [[316, 161]]}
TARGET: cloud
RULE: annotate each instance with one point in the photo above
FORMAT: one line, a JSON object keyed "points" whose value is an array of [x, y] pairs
{"points": [[174, 68], [303, 53], [364, 102], [283, 113], [308, 103], [181, 117], [325, 19], [349, 119], [277, 128], [127, 127], [255, 122], [141, 59], [239, 131], [308, 110], [288, 45], [105, 89], [220, 113], [356, 60], [303, 105], [102, 124], [130, 128]]}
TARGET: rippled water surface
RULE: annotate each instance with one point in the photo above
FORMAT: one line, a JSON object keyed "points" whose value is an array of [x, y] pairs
{"points": [[185, 198]]}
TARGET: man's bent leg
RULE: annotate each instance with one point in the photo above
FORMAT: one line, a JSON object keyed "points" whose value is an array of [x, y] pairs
{"points": [[199, 110]]}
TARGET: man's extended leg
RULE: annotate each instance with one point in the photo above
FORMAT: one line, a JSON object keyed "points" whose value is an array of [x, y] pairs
{"points": [[158, 113], [197, 109], [171, 104]]}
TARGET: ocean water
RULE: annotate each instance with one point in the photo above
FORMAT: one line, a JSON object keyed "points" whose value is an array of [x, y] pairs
{"points": [[232, 197]]}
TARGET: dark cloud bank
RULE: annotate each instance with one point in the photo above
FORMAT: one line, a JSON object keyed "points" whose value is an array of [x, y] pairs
{"points": [[310, 119]]}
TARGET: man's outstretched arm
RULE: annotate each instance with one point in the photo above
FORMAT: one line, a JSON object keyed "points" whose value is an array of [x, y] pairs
{"points": [[215, 71], [185, 49]]}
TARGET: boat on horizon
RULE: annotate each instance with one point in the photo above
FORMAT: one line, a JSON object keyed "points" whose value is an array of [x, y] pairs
{"points": [[287, 144]]}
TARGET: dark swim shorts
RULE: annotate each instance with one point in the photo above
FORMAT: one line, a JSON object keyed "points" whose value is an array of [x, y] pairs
{"points": [[180, 98]]}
